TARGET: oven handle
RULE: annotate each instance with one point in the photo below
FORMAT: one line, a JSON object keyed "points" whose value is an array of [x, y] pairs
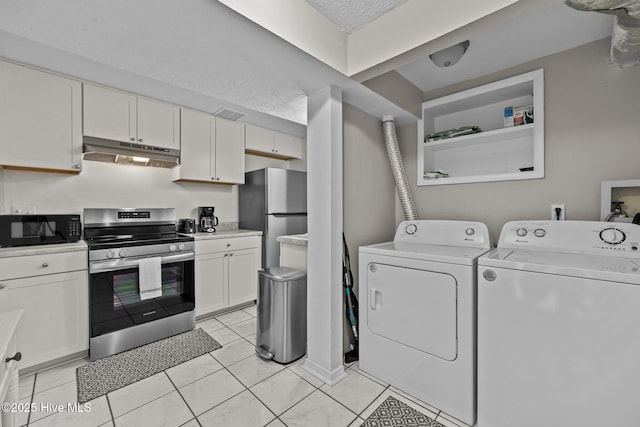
{"points": [[104, 266]]}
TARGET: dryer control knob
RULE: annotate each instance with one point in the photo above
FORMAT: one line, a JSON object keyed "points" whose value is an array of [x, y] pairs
{"points": [[123, 253], [470, 231], [173, 248], [521, 232], [110, 254], [539, 232], [411, 229]]}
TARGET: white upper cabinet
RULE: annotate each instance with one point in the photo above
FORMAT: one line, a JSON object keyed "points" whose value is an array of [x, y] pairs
{"points": [[121, 116], [40, 120], [497, 152], [288, 146], [198, 151], [212, 149], [229, 157], [270, 143]]}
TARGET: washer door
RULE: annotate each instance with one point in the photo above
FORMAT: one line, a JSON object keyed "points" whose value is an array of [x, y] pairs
{"points": [[416, 308]]}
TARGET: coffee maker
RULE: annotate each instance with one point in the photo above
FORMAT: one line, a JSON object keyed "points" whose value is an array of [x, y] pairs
{"points": [[206, 219]]}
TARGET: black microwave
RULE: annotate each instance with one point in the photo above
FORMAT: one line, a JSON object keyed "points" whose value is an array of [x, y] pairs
{"points": [[26, 230]]}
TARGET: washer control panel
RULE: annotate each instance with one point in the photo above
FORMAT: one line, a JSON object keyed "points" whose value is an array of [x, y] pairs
{"points": [[451, 233], [593, 237]]}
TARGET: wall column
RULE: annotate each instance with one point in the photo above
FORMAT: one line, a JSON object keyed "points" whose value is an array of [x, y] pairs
{"points": [[324, 223]]}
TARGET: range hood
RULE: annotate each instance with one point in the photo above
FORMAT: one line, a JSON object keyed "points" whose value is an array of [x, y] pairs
{"points": [[105, 150]]}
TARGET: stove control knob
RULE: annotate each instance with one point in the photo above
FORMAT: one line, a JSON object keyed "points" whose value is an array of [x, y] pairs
{"points": [[123, 253], [172, 248], [181, 246], [521, 232], [110, 254]]}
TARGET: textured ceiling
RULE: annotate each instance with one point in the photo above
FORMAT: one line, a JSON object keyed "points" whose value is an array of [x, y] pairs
{"points": [[349, 15], [204, 55]]}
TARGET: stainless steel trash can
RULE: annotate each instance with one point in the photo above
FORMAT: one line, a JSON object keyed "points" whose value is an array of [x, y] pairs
{"points": [[282, 314]]}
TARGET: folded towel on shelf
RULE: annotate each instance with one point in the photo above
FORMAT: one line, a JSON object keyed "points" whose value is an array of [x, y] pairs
{"points": [[452, 133]]}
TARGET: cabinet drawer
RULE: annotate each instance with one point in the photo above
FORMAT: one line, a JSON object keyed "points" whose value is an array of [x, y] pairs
{"points": [[218, 245], [38, 265]]}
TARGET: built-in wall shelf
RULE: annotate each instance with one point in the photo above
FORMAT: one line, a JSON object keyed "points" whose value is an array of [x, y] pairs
{"points": [[497, 153]]}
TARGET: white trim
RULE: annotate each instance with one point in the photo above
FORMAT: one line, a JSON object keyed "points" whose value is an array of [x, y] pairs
{"points": [[329, 377]]}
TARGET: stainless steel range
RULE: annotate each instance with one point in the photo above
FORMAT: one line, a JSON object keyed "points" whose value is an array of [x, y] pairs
{"points": [[141, 278]]}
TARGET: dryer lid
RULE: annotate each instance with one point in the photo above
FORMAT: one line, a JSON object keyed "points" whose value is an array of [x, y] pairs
{"points": [[426, 252]]}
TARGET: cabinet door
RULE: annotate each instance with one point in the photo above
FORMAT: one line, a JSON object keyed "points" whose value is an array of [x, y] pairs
{"points": [[55, 317], [211, 282], [243, 275], [259, 139], [229, 154], [196, 151], [288, 145], [109, 114], [40, 119], [158, 123]]}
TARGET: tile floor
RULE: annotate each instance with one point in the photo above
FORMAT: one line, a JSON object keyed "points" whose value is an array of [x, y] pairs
{"points": [[227, 387]]}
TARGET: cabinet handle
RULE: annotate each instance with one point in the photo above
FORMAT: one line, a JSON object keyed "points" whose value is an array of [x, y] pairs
{"points": [[213, 179], [133, 139], [1, 286], [226, 255], [45, 264], [15, 357], [140, 140], [230, 254], [76, 166], [228, 244]]}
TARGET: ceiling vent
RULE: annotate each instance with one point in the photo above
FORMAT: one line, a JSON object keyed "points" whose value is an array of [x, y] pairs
{"points": [[228, 114]]}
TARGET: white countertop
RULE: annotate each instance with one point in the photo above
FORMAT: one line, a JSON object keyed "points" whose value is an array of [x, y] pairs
{"points": [[225, 234], [53, 248], [296, 239]]}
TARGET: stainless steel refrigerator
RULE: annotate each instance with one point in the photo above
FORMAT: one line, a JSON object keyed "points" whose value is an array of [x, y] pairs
{"points": [[273, 201]]}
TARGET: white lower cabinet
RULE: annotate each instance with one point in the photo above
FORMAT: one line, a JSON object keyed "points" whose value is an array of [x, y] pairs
{"points": [[226, 272], [9, 360], [55, 309]]}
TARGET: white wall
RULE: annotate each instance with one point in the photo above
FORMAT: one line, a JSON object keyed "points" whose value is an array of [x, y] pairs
{"points": [[368, 188], [591, 135], [109, 185]]}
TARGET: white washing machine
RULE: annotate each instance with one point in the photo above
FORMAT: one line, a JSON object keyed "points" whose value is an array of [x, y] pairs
{"points": [[559, 326], [418, 312]]}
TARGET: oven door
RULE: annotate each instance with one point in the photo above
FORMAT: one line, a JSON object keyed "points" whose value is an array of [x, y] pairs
{"points": [[115, 302]]}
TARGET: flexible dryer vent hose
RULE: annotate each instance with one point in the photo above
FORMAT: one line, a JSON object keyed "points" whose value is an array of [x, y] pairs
{"points": [[397, 167]]}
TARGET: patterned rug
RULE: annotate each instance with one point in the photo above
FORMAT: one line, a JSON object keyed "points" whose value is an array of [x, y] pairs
{"points": [[392, 412], [113, 372]]}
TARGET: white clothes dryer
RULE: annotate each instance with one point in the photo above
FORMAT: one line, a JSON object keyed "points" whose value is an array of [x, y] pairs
{"points": [[558, 326], [418, 312]]}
